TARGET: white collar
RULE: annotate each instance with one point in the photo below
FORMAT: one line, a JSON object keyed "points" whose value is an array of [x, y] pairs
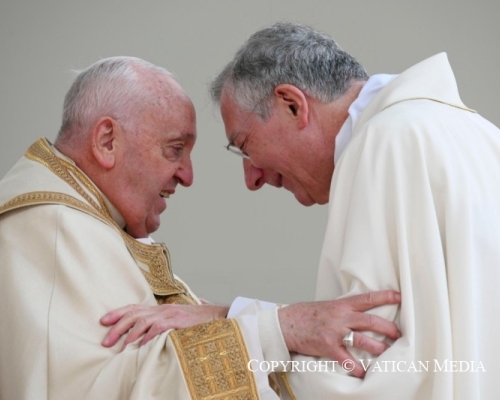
{"points": [[370, 89], [145, 240]]}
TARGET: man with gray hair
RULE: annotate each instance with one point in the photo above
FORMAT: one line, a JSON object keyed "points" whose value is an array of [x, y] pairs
{"points": [[75, 219], [412, 178]]}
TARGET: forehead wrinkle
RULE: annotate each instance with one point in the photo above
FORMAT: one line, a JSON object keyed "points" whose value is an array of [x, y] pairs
{"points": [[185, 136]]}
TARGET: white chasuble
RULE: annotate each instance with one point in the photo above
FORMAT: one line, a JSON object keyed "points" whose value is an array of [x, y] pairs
{"points": [[415, 207]]}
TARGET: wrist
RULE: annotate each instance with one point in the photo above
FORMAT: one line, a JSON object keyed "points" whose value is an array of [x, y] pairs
{"points": [[287, 326]]}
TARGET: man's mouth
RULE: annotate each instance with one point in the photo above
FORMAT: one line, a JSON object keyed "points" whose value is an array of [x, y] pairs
{"points": [[279, 181], [165, 194]]}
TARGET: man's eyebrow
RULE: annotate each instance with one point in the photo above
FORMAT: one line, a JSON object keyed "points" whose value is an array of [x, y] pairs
{"points": [[186, 136], [181, 136], [234, 136]]}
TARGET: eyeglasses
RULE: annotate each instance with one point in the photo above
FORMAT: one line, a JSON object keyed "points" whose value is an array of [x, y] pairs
{"points": [[235, 149]]}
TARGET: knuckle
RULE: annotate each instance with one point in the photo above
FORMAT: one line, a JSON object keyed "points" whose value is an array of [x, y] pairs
{"points": [[369, 298], [379, 348], [133, 311], [155, 326], [163, 326], [129, 339], [371, 320], [361, 341], [160, 326], [395, 296], [134, 308]]}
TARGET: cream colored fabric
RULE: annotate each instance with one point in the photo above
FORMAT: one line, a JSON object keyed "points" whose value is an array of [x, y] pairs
{"points": [[414, 206], [60, 271], [267, 328]]}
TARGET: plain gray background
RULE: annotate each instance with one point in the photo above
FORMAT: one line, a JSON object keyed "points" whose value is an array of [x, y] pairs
{"points": [[224, 240]]}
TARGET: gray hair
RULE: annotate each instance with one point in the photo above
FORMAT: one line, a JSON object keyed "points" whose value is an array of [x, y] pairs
{"points": [[286, 53], [110, 87]]}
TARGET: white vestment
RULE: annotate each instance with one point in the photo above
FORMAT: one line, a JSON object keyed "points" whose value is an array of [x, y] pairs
{"points": [[65, 262], [415, 207]]}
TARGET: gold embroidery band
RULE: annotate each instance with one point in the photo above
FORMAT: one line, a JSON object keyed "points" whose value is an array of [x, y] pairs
{"points": [[288, 387], [41, 152], [214, 361], [36, 198], [164, 286]]}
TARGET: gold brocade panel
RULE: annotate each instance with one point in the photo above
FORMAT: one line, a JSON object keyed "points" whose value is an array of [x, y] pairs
{"points": [[214, 361]]}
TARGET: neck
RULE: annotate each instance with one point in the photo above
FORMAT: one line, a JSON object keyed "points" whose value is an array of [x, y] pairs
{"points": [[336, 112], [331, 116]]}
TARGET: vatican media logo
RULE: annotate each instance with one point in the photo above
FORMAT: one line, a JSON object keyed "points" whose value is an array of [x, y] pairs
{"points": [[368, 365], [422, 366]]}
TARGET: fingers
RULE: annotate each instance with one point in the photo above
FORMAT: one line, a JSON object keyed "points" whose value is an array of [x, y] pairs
{"points": [[348, 363], [204, 313], [155, 330], [113, 316], [369, 344], [138, 329], [148, 328], [367, 322], [150, 321], [374, 323], [138, 320], [116, 332], [122, 320], [367, 301]]}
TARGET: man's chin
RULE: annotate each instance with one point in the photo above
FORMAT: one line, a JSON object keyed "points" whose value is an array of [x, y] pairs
{"points": [[153, 225], [301, 195], [144, 229], [137, 232], [304, 200]]}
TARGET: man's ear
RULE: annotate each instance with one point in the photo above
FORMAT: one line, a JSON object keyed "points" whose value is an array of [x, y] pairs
{"points": [[294, 102], [104, 142]]}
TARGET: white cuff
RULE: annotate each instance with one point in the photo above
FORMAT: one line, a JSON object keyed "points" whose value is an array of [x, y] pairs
{"points": [[271, 339], [244, 305], [268, 329]]}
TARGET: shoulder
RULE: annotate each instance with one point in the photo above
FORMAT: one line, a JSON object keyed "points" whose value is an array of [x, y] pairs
{"points": [[406, 115], [410, 125], [42, 221]]}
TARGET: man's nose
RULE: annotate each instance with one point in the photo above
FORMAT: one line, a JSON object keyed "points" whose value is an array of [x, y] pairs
{"points": [[185, 173], [254, 177]]}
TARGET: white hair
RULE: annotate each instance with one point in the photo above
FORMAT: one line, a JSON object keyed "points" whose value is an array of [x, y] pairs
{"points": [[110, 87]]}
